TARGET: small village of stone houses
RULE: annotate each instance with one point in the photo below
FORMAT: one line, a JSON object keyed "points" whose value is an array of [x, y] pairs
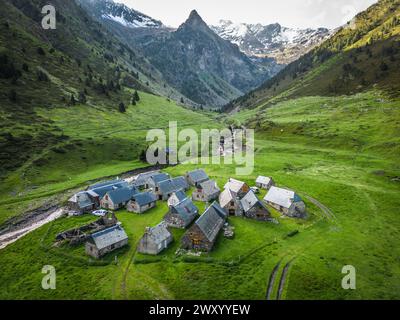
{"points": [[141, 193]]}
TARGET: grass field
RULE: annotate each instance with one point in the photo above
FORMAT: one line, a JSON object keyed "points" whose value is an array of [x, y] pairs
{"points": [[342, 152], [97, 142]]}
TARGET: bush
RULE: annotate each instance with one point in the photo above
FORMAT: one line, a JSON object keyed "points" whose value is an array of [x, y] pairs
{"points": [[72, 100], [121, 107], [82, 97], [136, 96]]}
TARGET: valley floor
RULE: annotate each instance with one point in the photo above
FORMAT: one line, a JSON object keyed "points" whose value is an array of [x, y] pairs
{"points": [[352, 195]]}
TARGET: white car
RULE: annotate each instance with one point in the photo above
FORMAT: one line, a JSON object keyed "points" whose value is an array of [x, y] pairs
{"points": [[100, 213], [255, 190]]}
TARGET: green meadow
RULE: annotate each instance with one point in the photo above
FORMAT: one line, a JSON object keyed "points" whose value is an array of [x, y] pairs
{"points": [[342, 152]]}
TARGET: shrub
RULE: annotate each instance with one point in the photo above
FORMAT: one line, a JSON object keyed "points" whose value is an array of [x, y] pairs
{"points": [[121, 107]]}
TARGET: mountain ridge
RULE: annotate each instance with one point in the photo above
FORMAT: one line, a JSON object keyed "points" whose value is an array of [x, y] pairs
{"points": [[362, 55], [273, 40]]}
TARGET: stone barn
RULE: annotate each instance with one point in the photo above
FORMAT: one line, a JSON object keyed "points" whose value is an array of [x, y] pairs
{"points": [[141, 202], [253, 208], [181, 214], [118, 198], [154, 180], [102, 188], [201, 236], [196, 176], [230, 203], [286, 201], [238, 188], [206, 191], [155, 240], [84, 202], [176, 197], [141, 180], [166, 188], [264, 182], [105, 241]]}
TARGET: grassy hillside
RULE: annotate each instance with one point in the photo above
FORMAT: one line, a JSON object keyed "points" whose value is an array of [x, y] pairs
{"points": [[79, 63], [359, 225], [93, 141], [361, 56]]}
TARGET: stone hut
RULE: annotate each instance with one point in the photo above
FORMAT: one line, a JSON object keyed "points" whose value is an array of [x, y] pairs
{"points": [[206, 191], [155, 239], [286, 201], [176, 197], [118, 198], [230, 203], [264, 182], [238, 188], [253, 208], [141, 202], [201, 236], [182, 214], [196, 176], [105, 241]]}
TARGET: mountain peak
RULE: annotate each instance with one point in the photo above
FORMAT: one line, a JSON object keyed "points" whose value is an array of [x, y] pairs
{"points": [[195, 19], [194, 15]]}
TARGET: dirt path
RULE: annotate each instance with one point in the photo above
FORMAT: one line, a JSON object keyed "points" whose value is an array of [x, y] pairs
{"points": [[327, 212], [282, 281], [271, 280]]}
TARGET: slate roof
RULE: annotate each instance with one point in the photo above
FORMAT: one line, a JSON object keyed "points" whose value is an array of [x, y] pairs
{"points": [[122, 194], [282, 197], [108, 237], [209, 187], [157, 178], [180, 195], [211, 221], [263, 180], [225, 197], [234, 185], [198, 175], [249, 201], [186, 210], [172, 185], [159, 233], [116, 182], [102, 190], [144, 198], [82, 199], [180, 182], [142, 177]]}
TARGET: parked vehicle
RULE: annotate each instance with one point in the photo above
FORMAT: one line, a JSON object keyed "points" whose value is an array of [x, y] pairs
{"points": [[100, 213], [255, 190]]}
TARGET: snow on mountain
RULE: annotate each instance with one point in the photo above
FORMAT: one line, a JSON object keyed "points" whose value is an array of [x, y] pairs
{"points": [[273, 40], [120, 13]]}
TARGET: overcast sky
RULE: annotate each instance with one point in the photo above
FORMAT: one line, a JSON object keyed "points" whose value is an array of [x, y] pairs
{"points": [[290, 13]]}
